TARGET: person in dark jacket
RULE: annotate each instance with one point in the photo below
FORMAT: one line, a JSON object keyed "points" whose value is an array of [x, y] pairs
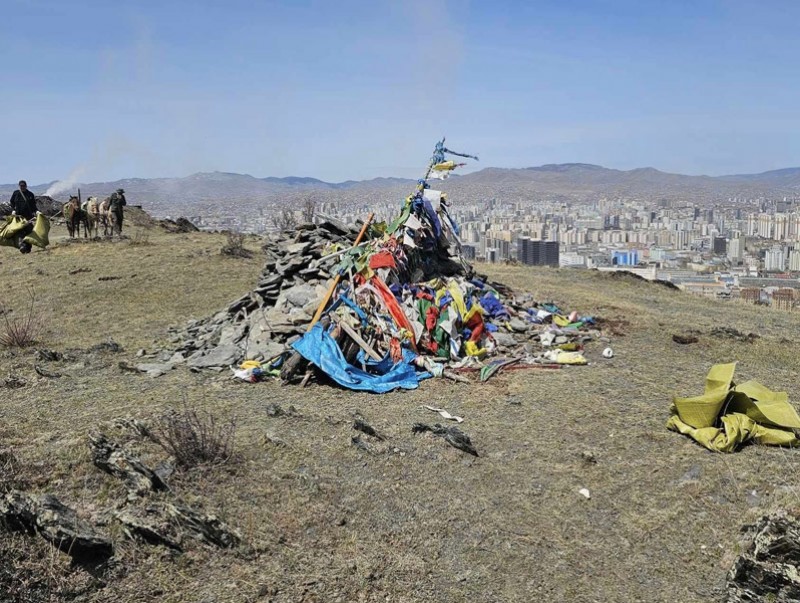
{"points": [[115, 204], [23, 204]]}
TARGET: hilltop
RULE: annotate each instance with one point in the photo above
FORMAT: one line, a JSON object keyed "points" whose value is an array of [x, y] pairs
{"points": [[410, 518]]}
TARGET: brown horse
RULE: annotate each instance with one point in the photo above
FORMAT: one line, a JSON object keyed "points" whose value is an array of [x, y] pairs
{"points": [[97, 213], [75, 216]]}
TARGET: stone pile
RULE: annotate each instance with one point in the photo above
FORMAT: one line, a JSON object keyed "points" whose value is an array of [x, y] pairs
{"points": [[258, 325], [47, 205]]}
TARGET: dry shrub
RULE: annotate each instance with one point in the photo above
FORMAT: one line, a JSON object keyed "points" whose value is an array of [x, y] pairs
{"points": [[235, 246], [20, 330], [195, 438], [140, 237]]}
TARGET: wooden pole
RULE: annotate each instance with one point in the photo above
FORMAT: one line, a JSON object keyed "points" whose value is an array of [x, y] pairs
{"points": [[338, 278], [357, 338]]}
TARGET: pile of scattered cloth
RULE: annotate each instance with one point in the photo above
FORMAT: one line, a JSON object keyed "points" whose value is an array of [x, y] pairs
{"points": [[727, 415], [406, 306], [404, 333], [381, 305]]}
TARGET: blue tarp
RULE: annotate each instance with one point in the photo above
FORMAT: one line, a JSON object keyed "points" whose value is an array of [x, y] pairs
{"points": [[319, 348]]}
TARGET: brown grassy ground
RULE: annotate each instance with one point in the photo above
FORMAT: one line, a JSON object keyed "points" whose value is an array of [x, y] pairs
{"points": [[413, 519]]}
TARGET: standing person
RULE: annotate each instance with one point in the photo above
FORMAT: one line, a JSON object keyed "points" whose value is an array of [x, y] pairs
{"points": [[115, 204], [23, 204]]}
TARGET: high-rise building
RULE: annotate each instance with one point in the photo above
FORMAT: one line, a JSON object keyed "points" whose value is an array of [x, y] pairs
{"points": [[718, 246], [628, 257], [735, 249], [794, 260], [774, 260], [537, 253]]}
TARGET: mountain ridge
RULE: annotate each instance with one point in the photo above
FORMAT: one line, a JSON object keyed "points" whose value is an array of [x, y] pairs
{"points": [[579, 179]]}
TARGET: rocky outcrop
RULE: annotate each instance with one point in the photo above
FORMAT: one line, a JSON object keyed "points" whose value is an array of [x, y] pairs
{"points": [[55, 522], [767, 569]]}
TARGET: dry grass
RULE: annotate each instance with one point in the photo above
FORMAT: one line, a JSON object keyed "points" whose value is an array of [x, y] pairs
{"points": [[412, 519]]}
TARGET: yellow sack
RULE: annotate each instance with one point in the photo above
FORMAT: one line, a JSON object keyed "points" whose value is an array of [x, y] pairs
{"points": [[702, 411], [10, 230], [41, 231], [764, 406], [736, 429], [750, 412]]}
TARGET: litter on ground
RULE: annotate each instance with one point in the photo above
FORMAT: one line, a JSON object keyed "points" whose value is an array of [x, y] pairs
{"points": [[727, 415]]}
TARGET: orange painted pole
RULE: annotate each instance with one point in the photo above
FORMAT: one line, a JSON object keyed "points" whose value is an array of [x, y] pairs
{"points": [[338, 278]]}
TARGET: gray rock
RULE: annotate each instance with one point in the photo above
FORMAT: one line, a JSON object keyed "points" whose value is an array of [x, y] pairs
{"points": [[263, 347], [300, 295], [298, 248], [520, 326], [692, 475], [231, 334], [506, 340], [154, 367], [219, 356]]}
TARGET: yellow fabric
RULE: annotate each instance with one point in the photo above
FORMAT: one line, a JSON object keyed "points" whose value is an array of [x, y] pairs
{"points": [[560, 321], [764, 406], [14, 224], [445, 166], [570, 358], [749, 411], [702, 411], [736, 429], [472, 349], [10, 229], [458, 299], [248, 364], [41, 231]]}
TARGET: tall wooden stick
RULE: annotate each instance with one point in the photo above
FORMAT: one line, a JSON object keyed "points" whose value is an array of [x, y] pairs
{"points": [[338, 278]]}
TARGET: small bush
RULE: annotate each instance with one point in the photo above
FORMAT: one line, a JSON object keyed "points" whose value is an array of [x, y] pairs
{"points": [[140, 237], [194, 438], [235, 246], [20, 330]]}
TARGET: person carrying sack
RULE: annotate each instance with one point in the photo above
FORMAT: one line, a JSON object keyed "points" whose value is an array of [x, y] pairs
{"points": [[23, 204]]}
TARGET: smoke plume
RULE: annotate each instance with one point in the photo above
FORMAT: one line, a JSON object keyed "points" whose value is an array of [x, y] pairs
{"points": [[66, 184]]}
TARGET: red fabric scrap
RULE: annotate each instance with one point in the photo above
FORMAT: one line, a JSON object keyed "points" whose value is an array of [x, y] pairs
{"points": [[400, 319], [394, 350], [431, 316], [476, 325], [382, 259]]}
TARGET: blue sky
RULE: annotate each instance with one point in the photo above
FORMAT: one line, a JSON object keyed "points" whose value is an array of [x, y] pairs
{"points": [[350, 90]]}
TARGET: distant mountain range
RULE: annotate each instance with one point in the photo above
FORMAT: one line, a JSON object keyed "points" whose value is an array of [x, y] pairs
{"points": [[572, 179]]}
